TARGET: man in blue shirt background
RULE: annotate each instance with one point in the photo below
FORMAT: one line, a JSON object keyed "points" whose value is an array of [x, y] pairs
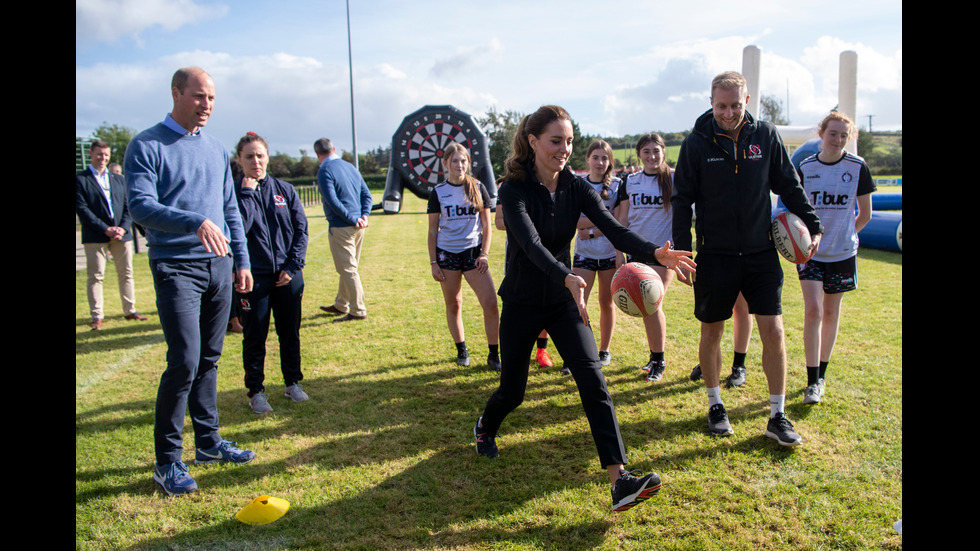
{"points": [[347, 205]]}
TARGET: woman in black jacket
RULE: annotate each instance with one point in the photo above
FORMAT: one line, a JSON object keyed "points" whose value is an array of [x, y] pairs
{"points": [[542, 201], [275, 227]]}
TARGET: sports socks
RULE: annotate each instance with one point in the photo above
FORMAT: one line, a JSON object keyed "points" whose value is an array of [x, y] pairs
{"points": [[543, 342], [776, 402], [739, 359], [657, 357], [714, 396], [494, 350], [461, 348]]}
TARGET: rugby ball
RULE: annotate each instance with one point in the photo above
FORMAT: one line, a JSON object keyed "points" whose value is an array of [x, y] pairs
{"points": [[791, 237], [637, 289]]}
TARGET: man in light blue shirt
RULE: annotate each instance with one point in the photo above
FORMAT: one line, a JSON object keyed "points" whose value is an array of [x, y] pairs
{"points": [[180, 189]]}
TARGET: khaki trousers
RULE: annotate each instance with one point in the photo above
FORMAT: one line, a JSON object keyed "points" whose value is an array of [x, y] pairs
{"points": [[345, 246], [96, 257]]}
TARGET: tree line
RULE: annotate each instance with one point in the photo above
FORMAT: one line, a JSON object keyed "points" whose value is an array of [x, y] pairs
{"points": [[500, 126]]}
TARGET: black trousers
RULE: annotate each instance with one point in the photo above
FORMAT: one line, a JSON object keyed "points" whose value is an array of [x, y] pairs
{"points": [[264, 302], [519, 327]]}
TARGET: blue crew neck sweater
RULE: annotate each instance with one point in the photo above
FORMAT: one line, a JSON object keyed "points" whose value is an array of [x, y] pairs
{"points": [[173, 184]]}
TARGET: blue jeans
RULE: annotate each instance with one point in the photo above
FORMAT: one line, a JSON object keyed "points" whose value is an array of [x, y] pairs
{"points": [[193, 301]]}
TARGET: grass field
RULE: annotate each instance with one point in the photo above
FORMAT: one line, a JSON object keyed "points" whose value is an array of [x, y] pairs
{"points": [[382, 456]]}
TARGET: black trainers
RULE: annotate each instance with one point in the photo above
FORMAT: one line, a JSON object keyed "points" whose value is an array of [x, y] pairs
{"points": [[737, 378], [718, 421], [630, 490], [463, 358], [696, 373], [493, 363], [781, 430], [656, 371], [485, 444]]}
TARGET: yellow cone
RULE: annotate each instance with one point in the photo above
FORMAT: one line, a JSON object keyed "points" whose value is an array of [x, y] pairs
{"points": [[263, 510]]}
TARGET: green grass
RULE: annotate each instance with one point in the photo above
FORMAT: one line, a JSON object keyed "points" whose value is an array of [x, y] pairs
{"points": [[382, 456]]}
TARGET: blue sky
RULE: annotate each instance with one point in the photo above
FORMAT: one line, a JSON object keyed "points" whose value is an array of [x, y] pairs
{"points": [[280, 68]]}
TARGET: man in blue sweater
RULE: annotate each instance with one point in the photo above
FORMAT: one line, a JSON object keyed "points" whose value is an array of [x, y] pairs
{"points": [[347, 205], [179, 186]]}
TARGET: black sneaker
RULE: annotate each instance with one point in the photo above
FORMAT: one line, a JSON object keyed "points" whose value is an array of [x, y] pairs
{"points": [[696, 373], [781, 430], [649, 366], [566, 371], [656, 372], [718, 421], [737, 378], [630, 490], [485, 444], [493, 363], [463, 358]]}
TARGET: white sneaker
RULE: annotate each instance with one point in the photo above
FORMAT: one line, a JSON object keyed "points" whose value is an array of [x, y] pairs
{"points": [[295, 393], [259, 403], [604, 357]]}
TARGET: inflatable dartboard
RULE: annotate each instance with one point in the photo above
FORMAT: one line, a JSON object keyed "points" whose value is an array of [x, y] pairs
{"points": [[416, 153]]}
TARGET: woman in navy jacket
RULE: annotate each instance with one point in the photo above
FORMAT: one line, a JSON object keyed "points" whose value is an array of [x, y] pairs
{"points": [[275, 227], [542, 203]]}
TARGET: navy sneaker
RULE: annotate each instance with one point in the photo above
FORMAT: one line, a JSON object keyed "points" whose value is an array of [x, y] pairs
{"points": [[174, 479], [656, 371], [631, 490], [493, 362], [718, 421], [781, 430], [696, 373], [485, 443], [224, 451]]}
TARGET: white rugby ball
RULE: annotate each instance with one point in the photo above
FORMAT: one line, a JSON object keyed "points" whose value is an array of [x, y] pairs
{"points": [[637, 289], [791, 237]]}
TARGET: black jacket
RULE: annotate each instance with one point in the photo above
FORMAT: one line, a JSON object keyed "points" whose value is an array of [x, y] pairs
{"points": [[540, 232], [728, 183], [93, 212], [275, 226]]}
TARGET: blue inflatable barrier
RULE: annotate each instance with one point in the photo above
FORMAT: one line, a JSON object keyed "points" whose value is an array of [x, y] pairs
{"points": [[883, 231], [886, 201]]}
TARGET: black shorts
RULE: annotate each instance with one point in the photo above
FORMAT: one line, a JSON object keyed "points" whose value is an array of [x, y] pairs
{"points": [[458, 262], [720, 278], [837, 277], [594, 264]]}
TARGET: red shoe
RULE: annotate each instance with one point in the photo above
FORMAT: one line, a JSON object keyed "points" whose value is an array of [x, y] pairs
{"points": [[544, 360]]}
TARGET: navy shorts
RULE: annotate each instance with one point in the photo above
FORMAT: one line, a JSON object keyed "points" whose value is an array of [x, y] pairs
{"points": [[458, 262], [837, 277], [720, 278], [594, 264]]}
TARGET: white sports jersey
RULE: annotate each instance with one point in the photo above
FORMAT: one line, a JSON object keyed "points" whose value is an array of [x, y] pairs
{"points": [[833, 190], [647, 215], [599, 248], [459, 221]]}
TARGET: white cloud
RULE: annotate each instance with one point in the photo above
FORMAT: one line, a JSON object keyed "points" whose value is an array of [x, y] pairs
{"points": [[289, 100], [110, 20]]}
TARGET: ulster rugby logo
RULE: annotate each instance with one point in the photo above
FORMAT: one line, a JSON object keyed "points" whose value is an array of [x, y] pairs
{"points": [[755, 152]]}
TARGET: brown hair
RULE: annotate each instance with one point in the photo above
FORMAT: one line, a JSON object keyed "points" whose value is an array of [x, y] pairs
{"points": [[840, 117], [663, 171], [607, 176], [471, 186], [248, 138], [531, 125]]}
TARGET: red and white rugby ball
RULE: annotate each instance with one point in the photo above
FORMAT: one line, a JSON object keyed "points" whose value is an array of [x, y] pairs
{"points": [[791, 237], [637, 289]]}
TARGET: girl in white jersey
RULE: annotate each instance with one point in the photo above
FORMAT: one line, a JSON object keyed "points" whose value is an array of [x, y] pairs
{"points": [[643, 205], [459, 242], [594, 254], [835, 181]]}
